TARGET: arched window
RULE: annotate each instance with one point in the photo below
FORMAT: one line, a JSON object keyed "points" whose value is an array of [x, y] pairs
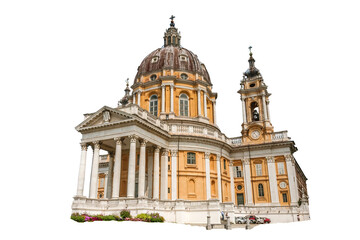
{"points": [[173, 40], [169, 40], [261, 190], [184, 105], [153, 109], [255, 115]]}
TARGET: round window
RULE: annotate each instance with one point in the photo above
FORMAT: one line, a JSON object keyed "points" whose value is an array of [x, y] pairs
{"points": [[283, 185], [184, 76], [153, 77], [252, 85], [239, 187]]}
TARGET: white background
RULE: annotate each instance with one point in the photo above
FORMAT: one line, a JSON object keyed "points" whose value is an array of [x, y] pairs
{"points": [[60, 59]]}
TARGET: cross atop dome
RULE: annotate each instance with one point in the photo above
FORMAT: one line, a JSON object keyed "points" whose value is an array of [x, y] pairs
{"points": [[172, 24]]}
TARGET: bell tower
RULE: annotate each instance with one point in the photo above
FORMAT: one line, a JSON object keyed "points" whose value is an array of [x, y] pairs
{"points": [[256, 127]]}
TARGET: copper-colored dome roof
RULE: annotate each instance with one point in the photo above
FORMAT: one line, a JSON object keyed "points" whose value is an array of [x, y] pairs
{"points": [[169, 58]]}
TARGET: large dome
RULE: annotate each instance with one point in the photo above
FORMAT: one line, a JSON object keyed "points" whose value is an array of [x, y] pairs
{"points": [[172, 57]]}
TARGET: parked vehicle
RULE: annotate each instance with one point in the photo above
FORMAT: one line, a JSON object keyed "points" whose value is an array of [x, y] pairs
{"points": [[240, 220], [267, 220], [259, 220], [252, 219]]}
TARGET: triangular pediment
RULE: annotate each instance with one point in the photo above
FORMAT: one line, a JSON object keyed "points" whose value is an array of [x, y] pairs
{"points": [[105, 116]]}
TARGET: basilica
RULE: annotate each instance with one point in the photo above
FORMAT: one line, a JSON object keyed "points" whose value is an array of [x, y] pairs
{"points": [[166, 153]]}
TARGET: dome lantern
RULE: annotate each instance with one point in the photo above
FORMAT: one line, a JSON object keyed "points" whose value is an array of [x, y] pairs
{"points": [[172, 36]]}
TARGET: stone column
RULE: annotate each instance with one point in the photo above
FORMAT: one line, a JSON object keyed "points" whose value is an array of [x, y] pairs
{"points": [[142, 164], [243, 110], [150, 172], [117, 169], [199, 102], [162, 98], [82, 168], [218, 162], [110, 176], [272, 180], [214, 109], [174, 155], [290, 165], [267, 108], [232, 186], [264, 107], [133, 101], [131, 169], [247, 182], [156, 172], [106, 185], [164, 174], [205, 105], [207, 175], [95, 171], [171, 98], [139, 97]]}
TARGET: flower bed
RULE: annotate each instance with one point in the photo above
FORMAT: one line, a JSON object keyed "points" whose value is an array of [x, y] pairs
{"points": [[124, 216]]}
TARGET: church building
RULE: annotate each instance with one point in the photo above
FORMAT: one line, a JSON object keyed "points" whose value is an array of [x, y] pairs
{"points": [[166, 153]]}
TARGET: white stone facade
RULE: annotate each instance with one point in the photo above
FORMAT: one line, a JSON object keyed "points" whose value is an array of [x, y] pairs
{"points": [[131, 128]]}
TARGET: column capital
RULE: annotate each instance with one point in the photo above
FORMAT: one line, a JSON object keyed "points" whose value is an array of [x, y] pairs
{"points": [[118, 140], [207, 155], [165, 152], [289, 158], [84, 146], [218, 157], [231, 163], [270, 159], [96, 144], [143, 142], [157, 149], [246, 161], [133, 138], [174, 152]]}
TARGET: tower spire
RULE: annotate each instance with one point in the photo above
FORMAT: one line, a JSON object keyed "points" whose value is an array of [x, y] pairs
{"points": [[172, 36], [126, 98], [252, 70]]}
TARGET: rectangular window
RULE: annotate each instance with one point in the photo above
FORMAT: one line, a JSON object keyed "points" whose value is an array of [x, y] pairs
{"points": [[138, 159], [224, 164], [237, 172], [281, 168], [191, 158], [284, 197], [258, 169], [102, 182]]}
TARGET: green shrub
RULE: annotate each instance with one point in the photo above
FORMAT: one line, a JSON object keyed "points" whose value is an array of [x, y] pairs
{"points": [[78, 218], [145, 217], [108, 218], [155, 217], [125, 214], [117, 218]]}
